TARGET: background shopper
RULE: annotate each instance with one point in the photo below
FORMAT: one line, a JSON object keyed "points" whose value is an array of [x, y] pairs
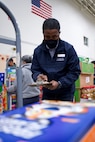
{"points": [[30, 94]]}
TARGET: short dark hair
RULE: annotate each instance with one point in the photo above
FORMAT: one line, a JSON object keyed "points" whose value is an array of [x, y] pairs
{"points": [[51, 23], [27, 58], [10, 60], [93, 62]]}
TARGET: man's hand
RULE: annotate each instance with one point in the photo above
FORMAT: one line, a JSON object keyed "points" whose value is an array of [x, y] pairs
{"points": [[42, 77], [54, 85]]}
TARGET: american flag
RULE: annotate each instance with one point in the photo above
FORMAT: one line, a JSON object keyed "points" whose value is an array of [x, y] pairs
{"points": [[41, 8]]}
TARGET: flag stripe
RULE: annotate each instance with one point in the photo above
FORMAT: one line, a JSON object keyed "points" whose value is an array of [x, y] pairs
{"points": [[45, 6], [44, 11], [39, 13]]}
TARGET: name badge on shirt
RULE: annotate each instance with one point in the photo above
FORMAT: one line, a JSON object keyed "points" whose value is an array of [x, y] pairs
{"points": [[60, 57]]}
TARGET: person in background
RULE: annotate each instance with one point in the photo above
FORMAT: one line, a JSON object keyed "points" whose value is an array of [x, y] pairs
{"points": [[94, 71], [55, 61], [30, 94], [11, 63]]}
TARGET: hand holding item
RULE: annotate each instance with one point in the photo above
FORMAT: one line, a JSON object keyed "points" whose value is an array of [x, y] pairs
{"points": [[53, 85], [42, 77]]}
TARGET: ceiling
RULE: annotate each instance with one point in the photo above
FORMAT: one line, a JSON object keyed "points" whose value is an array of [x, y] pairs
{"points": [[88, 5]]}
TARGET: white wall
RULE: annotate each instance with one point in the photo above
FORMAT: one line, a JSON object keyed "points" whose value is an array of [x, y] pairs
{"points": [[75, 23]]}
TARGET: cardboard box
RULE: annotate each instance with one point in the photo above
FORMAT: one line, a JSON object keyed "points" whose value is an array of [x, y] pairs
{"points": [[87, 68], [84, 80]]}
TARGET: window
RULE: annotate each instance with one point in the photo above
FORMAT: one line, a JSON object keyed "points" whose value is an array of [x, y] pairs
{"points": [[85, 40]]}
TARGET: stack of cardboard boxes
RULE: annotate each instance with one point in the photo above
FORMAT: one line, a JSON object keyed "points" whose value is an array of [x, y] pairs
{"points": [[85, 78]]}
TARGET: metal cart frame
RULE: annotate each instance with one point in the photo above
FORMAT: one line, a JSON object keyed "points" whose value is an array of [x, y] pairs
{"points": [[16, 43]]}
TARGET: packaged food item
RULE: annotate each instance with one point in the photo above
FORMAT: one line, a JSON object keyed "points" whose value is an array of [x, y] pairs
{"points": [[88, 92]]}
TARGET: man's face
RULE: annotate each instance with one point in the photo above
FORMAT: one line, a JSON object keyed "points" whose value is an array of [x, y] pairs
{"points": [[51, 34], [51, 38]]}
